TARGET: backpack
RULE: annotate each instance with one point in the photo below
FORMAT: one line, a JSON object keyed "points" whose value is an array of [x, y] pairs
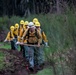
{"points": [[27, 36], [32, 36]]}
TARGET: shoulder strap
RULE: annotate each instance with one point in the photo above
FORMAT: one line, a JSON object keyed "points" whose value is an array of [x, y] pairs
{"points": [[10, 35], [14, 33], [19, 31], [27, 34], [23, 30], [36, 33], [14, 29]]}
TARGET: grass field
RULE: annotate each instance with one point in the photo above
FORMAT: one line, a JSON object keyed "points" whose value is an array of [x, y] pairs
{"points": [[2, 60], [46, 71], [5, 45]]}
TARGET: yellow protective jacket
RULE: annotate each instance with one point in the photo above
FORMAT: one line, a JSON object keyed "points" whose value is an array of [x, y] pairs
{"points": [[16, 32], [20, 34], [44, 37], [24, 27], [25, 39], [32, 37], [10, 36]]}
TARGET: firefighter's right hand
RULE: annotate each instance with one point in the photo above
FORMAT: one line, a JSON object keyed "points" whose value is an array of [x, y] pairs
{"points": [[13, 38], [28, 27], [21, 38], [46, 44]]}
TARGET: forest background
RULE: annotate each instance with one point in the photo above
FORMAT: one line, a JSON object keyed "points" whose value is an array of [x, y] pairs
{"points": [[58, 20]]}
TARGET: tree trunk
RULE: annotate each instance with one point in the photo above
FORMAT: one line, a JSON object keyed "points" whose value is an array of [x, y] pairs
{"points": [[58, 6], [50, 7], [34, 7], [27, 11]]}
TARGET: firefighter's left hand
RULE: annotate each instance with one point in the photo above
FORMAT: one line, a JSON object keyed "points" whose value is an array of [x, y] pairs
{"points": [[46, 44], [17, 42], [5, 40], [21, 38], [38, 45]]}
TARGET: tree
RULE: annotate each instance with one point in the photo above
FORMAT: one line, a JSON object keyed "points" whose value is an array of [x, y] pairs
{"points": [[58, 6]]}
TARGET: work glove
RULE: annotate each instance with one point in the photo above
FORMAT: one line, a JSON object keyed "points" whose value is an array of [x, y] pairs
{"points": [[46, 44], [18, 36], [5, 40], [13, 38], [21, 43], [17, 42], [21, 38], [28, 27], [38, 45]]}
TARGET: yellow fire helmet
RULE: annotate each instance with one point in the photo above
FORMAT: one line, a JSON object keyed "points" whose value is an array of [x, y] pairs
{"points": [[35, 20], [16, 25], [22, 22], [37, 24], [12, 28], [26, 23]]}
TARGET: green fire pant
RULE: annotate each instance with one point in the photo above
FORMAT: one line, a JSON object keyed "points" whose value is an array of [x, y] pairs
{"points": [[39, 55], [34, 55], [29, 55], [13, 45]]}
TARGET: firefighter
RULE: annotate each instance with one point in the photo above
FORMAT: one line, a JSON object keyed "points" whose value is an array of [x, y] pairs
{"points": [[24, 40], [44, 38], [23, 27], [33, 38], [45, 42], [16, 31], [20, 34], [21, 30], [10, 37], [26, 27]]}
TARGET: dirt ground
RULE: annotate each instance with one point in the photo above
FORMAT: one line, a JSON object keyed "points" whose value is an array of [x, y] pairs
{"points": [[17, 65]]}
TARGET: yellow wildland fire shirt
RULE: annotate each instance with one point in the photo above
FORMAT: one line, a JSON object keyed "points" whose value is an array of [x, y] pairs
{"points": [[20, 34], [10, 36], [32, 37], [16, 31], [44, 37], [25, 39]]}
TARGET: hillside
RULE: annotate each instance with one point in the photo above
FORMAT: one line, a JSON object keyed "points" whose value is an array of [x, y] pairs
{"points": [[61, 34]]}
